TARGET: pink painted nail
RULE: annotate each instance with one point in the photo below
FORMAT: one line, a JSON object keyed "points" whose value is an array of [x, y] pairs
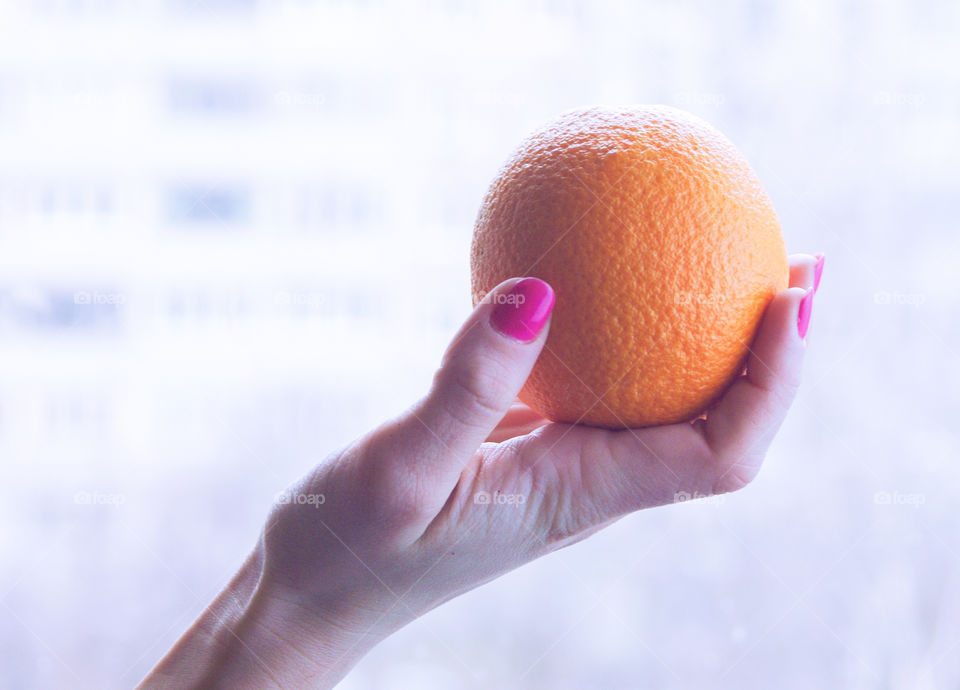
{"points": [[803, 316], [818, 271], [522, 311]]}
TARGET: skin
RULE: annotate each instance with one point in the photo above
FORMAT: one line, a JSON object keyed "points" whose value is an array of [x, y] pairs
{"points": [[399, 530]]}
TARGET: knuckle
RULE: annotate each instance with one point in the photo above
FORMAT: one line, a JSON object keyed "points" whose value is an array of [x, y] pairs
{"points": [[787, 390], [737, 476], [479, 388]]}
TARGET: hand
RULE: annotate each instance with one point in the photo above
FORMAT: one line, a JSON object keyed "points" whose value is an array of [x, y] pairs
{"points": [[423, 509]]}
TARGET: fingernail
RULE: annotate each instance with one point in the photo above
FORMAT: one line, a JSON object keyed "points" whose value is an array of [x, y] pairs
{"points": [[522, 311], [803, 316], [818, 271]]}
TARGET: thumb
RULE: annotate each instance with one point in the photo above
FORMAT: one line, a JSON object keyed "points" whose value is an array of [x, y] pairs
{"points": [[481, 373]]}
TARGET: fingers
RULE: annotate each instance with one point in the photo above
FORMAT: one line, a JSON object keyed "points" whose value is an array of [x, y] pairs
{"points": [[805, 270], [740, 428], [481, 374], [608, 474]]}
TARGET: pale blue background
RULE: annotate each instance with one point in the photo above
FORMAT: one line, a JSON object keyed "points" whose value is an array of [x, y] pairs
{"points": [[268, 206]]}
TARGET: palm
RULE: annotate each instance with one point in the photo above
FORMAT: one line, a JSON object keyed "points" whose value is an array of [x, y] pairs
{"points": [[588, 475]]}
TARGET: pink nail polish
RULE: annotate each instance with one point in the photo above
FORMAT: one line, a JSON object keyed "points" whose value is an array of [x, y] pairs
{"points": [[818, 271], [803, 315], [522, 311]]}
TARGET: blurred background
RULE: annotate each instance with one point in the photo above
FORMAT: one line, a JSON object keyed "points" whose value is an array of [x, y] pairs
{"points": [[234, 235]]}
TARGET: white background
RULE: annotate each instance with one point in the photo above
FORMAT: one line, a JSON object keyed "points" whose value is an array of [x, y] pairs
{"points": [[234, 235]]}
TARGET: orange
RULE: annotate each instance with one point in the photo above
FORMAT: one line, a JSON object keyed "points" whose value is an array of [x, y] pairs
{"points": [[663, 250]]}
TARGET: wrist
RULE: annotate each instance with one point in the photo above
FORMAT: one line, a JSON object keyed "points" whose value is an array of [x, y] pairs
{"points": [[295, 636], [256, 635], [278, 642]]}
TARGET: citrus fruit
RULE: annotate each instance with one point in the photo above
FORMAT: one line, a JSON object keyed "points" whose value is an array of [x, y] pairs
{"points": [[662, 247]]}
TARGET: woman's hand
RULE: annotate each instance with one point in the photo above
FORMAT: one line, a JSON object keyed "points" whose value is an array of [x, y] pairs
{"points": [[464, 486]]}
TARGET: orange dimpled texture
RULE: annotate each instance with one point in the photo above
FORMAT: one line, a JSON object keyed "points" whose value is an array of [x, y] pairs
{"points": [[663, 250]]}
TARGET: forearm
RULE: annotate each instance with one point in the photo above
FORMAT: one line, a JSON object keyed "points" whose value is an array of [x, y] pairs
{"points": [[248, 638]]}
